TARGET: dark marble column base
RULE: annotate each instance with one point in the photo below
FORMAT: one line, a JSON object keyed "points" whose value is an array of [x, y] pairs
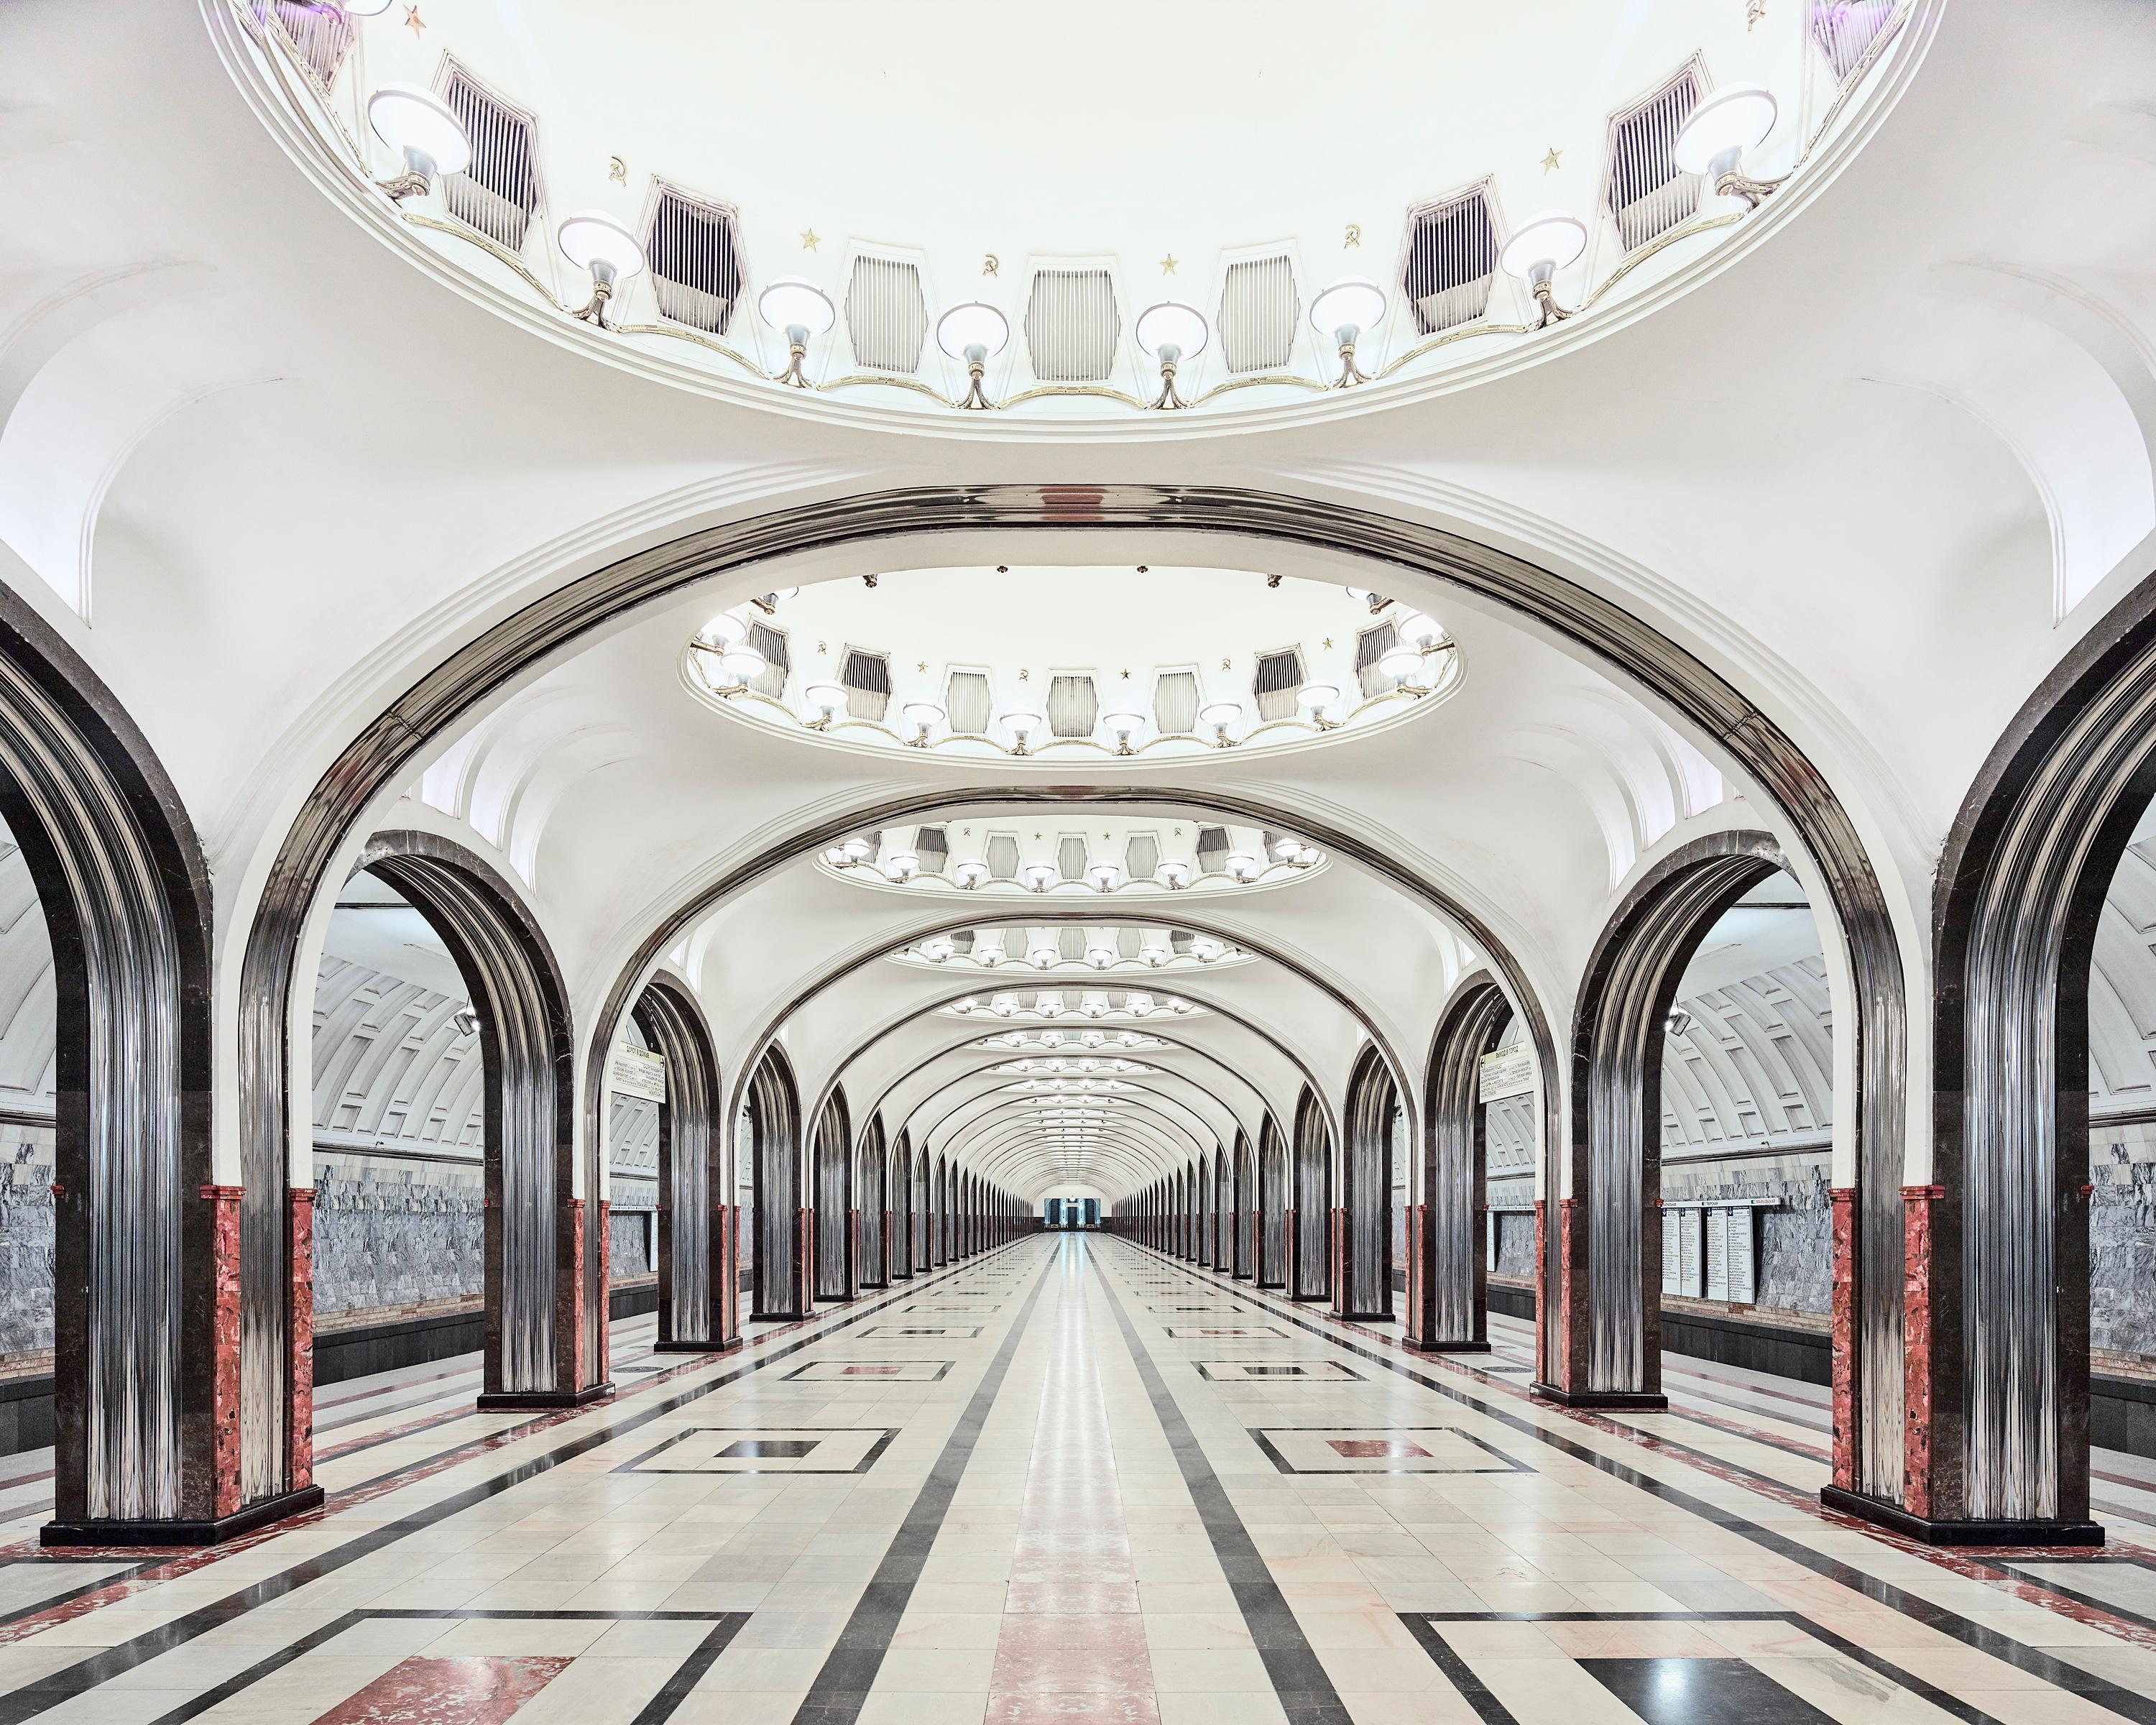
{"points": [[1422, 1347], [1309, 1299], [1615, 1401], [1368, 1318], [211, 1533], [696, 1347], [873, 1287], [777, 1317], [1897, 1520], [533, 1401]]}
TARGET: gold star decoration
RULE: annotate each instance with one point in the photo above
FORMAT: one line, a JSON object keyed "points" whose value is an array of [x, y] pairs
{"points": [[1550, 161], [1127, 676], [922, 666], [1167, 264], [1328, 644], [810, 241], [414, 22]]}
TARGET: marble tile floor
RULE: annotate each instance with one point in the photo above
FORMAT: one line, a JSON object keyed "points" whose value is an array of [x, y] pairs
{"points": [[1076, 1505]]}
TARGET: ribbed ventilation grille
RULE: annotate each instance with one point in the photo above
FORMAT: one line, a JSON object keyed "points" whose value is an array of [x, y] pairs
{"points": [[962, 941], [1371, 645], [1452, 257], [932, 845], [886, 317], [1644, 190], [771, 643], [1278, 677], [1070, 857], [966, 700], [1073, 708], [866, 678], [1258, 310], [1128, 940], [1179, 943], [694, 249], [1142, 860], [1002, 857], [1071, 943], [875, 847], [1175, 703], [1212, 850], [321, 35], [499, 193], [1845, 29], [1071, 325]]}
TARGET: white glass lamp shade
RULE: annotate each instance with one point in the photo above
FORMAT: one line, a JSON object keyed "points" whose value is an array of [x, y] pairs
{"points": [[725, 630], [1287, 850], [1139, 1005], [1220, 714], [969, 1004], [1319, 696], [1154, 956], [924, 716], [784, 592], [1241, 864], [791, 304], [857, 849], [1348, 308], [938, 950], [1179, 1006], [1040, 958], [1103, 875], [1123, 725], [974, 331], [972, 873], [1309, 857], [1174, 872], [1171, 331], [419, 123], [1551, 241], [1728, 123], [901, 865], [1402, 665], [1100, 957], [593, 240], [1131, 1039], [827, 698], [1419, 629], [1022, 725], [742, 662], [1041, 874]]}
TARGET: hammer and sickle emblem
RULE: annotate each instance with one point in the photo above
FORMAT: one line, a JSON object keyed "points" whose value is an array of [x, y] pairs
{"points": [[618, 171], [1354, 235], [990, 265]]}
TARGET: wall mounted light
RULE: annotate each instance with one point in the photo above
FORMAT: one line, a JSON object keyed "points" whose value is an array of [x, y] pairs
{"points": [[1344, 311], [1220, 715], [827, 698], [1103, 875], [1021, 724], [803, 310], [1317, 697], [1041, 874], [975, 333], [594, 241], [924, 716], [1536, 252], [969, 874], [1123, 726], [1718, 132], [419, 126], [1174, 872], [1170, 333]]}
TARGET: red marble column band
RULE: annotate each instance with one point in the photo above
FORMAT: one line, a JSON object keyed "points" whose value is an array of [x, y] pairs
{"points": [[1419, 1313], [569, 1303], [1919, 1457], [1844, 1309], [1339, 1259], [300, 1431], [224, 1340], [603, 1367], [1542, 1281], [1572, 1294]]}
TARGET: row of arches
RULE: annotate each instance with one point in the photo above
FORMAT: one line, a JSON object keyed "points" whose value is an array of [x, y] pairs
{"points": [[183, 1403]]}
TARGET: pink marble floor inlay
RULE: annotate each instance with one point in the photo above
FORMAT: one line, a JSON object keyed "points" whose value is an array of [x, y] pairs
{"points": [[1376, 1448], [463, 1690]]}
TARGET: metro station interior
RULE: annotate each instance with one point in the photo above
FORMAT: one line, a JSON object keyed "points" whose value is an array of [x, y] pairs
{"points": [[968, 864]]}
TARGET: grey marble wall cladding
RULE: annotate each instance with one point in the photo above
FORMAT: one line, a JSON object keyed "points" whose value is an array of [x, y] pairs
{"points": [[25, 1241], [2122, 1238], [630, 1244], [1516, 1244], [1796, 1232], [394, 1233]]}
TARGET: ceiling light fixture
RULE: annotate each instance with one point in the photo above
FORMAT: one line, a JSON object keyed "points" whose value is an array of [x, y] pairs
{"points": [[857, 851], [594, 241], [924, 716], [420, 127], [1220, 715], [901, 865], [1170, 333], [1418, 629], [1123, 726], [1175, 872], [1319, 696], [1344, 311], [1100, 957], [1718, 132], [802, 309], [827, 698], [1103, 875], [1040, 958], [975, 333], [1404, 665], [1536, 252], [1021, 726], [1155, 956], [1041, 874], [741, 664], [969, 874], [1241, 866]]}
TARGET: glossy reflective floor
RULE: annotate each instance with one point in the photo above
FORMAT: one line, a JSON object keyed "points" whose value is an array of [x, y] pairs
{"points": [[1074, 1481]]}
